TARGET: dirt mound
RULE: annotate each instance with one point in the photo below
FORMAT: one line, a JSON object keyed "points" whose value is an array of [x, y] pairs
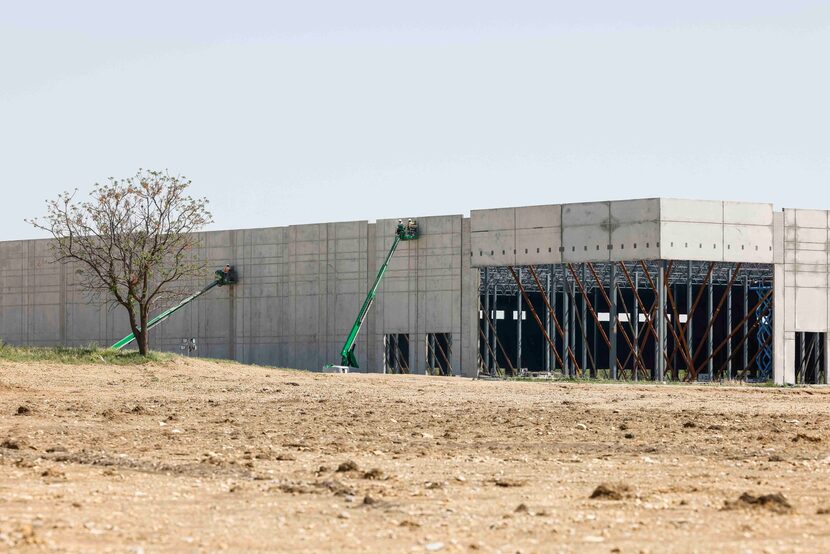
{"points": [[775, 502], [509, 483], [347, 466], [606, 491], [11, 444]]}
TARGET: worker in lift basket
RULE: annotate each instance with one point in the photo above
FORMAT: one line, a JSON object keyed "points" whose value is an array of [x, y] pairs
{"points": [[226, 275], [405, 229]]}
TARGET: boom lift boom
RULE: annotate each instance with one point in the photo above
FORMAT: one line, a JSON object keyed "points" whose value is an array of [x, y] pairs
{"points": [[222, 277], [403, 232]]}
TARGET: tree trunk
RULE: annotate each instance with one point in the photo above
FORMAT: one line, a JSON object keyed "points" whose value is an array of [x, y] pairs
{"points": [[134, 326], [142, 337]]}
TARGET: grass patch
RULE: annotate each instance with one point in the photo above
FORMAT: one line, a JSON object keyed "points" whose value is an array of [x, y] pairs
{"points": [[78, 355]]}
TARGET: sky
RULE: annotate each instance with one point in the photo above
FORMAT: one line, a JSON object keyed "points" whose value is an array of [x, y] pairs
{"points": [[301, 112]]}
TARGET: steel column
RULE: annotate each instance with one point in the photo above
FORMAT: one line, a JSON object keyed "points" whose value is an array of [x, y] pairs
{"points": [[746, 324], [673, 292], [613, 321], [802, 356], [487, 309], [547, 321], [566, 324], [689, 315], [709, 308], [519, 324], [572, 326], [495, 327], [552, 310], [584, 361], [827, 359], [636, 321], [594, 338], [729, 330], [661, 321], [816, 357]]}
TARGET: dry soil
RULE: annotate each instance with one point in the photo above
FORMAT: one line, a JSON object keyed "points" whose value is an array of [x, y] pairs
{"points": [[192, 455]]}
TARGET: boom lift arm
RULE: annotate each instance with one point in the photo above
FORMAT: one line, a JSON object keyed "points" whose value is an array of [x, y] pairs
{"points": [[404, 232], [222, 277]]}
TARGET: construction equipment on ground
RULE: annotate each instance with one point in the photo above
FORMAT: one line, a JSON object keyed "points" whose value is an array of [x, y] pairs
{"points": [[403, 232], [222, 277]]}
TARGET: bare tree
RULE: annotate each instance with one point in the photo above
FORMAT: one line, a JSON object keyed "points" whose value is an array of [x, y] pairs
{"points": [[133, 239]]}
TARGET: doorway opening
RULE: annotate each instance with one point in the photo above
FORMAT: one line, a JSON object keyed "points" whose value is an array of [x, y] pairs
{"points": [[396, 353], [439, 354], [809, 358]]}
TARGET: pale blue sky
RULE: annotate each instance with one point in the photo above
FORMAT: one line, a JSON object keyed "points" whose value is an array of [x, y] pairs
{"points": [[311, 111]]}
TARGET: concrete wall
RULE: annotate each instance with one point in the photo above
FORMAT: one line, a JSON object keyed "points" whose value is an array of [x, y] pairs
{"points": [[623, 230], [40, 303], [299, 292], [716, 231], [802, 296], [427, 289], [297, 286]]}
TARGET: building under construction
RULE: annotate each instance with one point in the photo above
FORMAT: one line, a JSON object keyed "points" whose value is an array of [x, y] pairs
{"points": [[652, 289]]}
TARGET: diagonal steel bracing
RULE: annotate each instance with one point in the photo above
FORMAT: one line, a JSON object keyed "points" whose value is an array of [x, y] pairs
{"points": [[638, 302]]}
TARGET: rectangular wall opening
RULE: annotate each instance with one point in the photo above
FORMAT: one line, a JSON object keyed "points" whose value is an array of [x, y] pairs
{"points": [[809, 358], [396, 353], [438, 354]]}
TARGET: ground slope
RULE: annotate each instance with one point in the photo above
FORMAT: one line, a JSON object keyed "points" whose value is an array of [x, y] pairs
{"points": [[189, 455]]}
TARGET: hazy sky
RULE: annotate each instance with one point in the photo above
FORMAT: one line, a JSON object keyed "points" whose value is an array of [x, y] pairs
{"points": [[311, 111]]}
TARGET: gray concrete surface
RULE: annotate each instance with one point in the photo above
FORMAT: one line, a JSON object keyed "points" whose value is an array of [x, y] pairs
{"points": [[802, 296], [623, 230]]}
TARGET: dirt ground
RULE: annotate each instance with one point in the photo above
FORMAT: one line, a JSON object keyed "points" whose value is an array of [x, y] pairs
{"points": [[196, 456]]}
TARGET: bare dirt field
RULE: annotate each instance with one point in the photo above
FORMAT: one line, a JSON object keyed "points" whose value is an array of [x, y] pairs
{"points": [[191, 455]]}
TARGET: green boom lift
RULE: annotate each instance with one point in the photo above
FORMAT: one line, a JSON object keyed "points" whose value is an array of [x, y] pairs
{"points": [[222, 277], [403, 232]]}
